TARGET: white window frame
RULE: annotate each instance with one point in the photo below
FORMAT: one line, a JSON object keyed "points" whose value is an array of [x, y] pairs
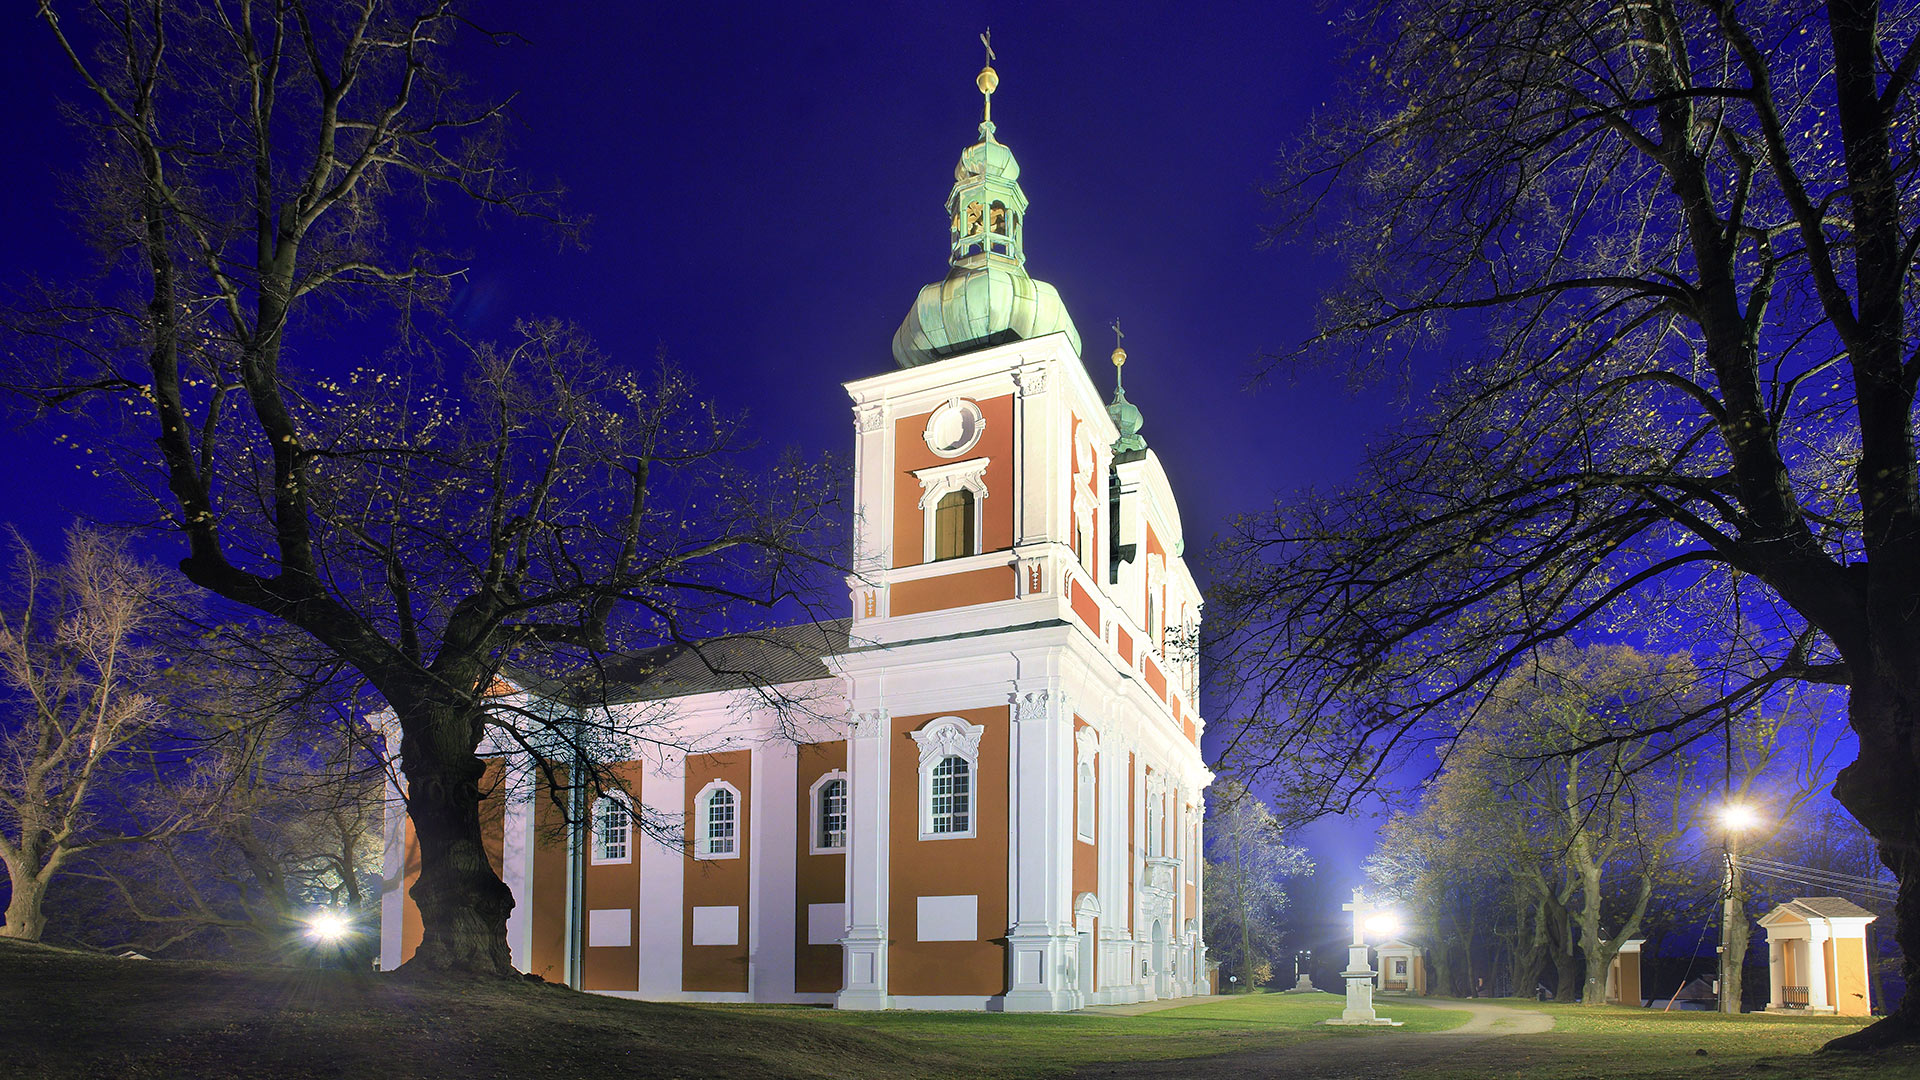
{"points": [[939, 480], [1087, 791], [703, 809], [817, 819], [598, 854], [1084, 550], [941, 738]]}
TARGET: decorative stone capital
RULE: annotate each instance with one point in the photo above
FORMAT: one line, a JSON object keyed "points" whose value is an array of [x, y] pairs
{"points": [[1033, 704], [868, 418], [1031, 380], [870, 724]]}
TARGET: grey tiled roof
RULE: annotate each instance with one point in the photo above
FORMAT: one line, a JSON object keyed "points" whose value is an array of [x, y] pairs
{"points": [[1828, 907], [773, 657]]}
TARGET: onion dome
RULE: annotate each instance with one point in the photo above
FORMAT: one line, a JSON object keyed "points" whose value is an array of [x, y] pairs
{"points": [[987, 298], [1125, 414]]}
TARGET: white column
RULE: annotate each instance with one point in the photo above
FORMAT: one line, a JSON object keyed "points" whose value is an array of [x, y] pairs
{"points": [[1112, 876], [393, 877], [775, 846], [516, 863], [1776, 995], [863, 983], [663, 881], [1817, 966], [1040, 940]]}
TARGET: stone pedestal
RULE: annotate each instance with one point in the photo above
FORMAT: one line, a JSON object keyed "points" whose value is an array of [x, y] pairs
{"points": [[1359, 974], [1303, 985]]}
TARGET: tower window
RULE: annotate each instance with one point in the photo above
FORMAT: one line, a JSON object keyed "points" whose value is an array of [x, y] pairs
{"points": [[953, 525]]}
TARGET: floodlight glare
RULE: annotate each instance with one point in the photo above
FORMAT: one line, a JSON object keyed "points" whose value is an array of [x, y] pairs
{"points": [[1737, 817], [1383, 924], [327, 926]]}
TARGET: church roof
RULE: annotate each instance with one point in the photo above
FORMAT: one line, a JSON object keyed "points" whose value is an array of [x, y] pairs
{"points": [[1827, 907], [776, 656]]}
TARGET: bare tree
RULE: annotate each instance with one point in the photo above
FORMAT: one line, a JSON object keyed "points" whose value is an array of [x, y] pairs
{"points": [[77, 665], [1680, 234], [256, 168], [1247, 859]]}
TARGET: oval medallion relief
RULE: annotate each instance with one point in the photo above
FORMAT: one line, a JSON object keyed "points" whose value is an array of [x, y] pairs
{"points": [[954, 428]]}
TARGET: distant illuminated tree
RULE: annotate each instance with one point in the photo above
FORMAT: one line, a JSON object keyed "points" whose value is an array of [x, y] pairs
{"points": [[1679, 237], [77, 674], [1247, 859]]}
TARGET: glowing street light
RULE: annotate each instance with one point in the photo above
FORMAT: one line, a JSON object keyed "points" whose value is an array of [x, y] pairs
{"points": [[328, 927], [1738, 817], [1383, 924]]}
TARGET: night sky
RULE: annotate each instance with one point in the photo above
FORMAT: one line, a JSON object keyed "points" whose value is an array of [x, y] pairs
{"points": [[767, 184]]}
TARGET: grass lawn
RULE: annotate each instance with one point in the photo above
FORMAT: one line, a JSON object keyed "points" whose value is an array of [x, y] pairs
{"points": [[1646, 1044], [1031, 1045], [66, 1015]]}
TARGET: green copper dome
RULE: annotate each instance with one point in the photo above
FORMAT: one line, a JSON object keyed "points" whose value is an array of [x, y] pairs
{"points": [[987, 298]]}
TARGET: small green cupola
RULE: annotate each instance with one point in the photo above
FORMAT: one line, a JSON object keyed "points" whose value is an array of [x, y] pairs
{"points": [[1125, 414], [987, 297]]}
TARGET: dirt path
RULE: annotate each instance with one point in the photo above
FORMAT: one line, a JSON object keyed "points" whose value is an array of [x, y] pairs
{"points": [[1481, 1040]]}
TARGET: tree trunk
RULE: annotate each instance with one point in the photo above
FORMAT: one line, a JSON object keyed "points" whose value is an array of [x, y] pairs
{"points": [[26, 915], [463, 904], [1881, 789], [1739, 934]]}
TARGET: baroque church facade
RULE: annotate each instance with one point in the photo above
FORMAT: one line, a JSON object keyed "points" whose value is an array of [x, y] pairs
{"points": [[996, 800]]}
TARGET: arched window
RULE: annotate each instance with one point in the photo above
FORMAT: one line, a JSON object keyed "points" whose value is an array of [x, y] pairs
{"points": [[1087, 812], [953, 525], [717, 828], [952, 794], [830, 814], [949, 756], [612, 831]]}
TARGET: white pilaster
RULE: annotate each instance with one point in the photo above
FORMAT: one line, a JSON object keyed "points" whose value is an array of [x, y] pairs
{"points": [[663, 869], [863, 983], [1817, 967], [516, 862], [1040, 939], [1776, 981]]}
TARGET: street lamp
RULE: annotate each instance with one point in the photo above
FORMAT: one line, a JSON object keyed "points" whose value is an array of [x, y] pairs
{"points": [[1735, 818], [328, 927]]}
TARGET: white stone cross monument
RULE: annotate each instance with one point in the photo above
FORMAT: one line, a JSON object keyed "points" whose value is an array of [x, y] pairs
{"points": [[1359, 973]]}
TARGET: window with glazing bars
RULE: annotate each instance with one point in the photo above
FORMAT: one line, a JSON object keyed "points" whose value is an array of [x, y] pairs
{"points": [[610, 830], [720, 822], [952, 782], [833, 815]]}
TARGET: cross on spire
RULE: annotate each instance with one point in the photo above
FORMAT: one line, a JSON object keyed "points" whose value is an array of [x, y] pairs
{"points": [[987, 80]]}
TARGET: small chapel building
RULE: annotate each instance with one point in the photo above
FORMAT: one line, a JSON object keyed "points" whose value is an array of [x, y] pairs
{"points": [[994, 800], [1817, 957]]}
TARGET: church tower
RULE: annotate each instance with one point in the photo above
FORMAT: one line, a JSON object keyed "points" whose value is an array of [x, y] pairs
{"points": [[1025, 768]]}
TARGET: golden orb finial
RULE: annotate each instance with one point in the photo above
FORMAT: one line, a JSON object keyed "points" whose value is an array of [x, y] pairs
{"points": [[988, 80], [1119, 357]]}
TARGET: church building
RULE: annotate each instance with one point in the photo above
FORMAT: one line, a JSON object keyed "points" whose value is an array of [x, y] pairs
{"points": [[994, 800]]}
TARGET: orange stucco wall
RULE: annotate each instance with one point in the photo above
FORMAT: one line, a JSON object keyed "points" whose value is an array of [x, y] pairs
{"points": [[911, 453], [820, 879], [976, 866], [717, 882], [1849, 974], [549, 899], [982, 586], [614, 885], [1086, 608]]}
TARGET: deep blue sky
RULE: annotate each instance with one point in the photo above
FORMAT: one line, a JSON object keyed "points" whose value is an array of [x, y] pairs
{"points": [[766, 186]]}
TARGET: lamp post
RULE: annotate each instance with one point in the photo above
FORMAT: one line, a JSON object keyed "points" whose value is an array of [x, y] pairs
{"points": [[1735, 818]]}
